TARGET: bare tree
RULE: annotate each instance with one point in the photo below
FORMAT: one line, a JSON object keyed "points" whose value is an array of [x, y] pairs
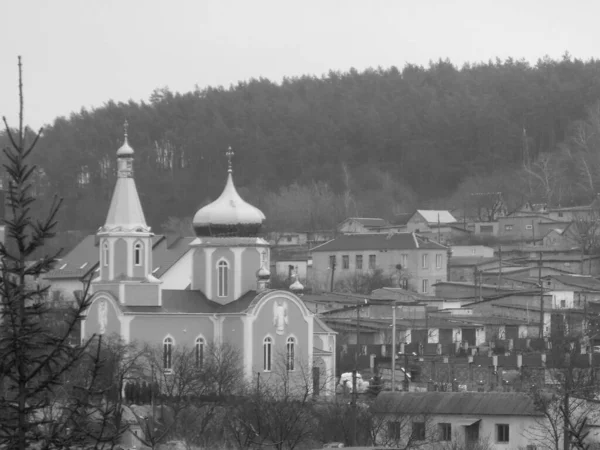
{"points": [[584, 231], [192, 383], [278, 410]]}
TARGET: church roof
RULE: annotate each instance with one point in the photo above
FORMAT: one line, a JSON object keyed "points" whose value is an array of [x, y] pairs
{"points": [[84, 258], [125, 212], [322, 327], [192, 302], [167, 252]]}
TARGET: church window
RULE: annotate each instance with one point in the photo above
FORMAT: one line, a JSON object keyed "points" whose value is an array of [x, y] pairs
{"points": [[199, 351], [105, 253], [290, 348], [168, 353], [223, 268], [137, 254], [267, 353]]}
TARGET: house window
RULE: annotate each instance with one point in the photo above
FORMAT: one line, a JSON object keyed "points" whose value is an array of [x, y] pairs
{"points": [[358, 262], [105, 253], [560, 214], [332, 262], [502, 432], [438, 261], [418, 431], [137, 254], [445, 431], [425, 286], [508, 227], [394, 430], [267, 354], [486, 229], [345, 262], [404, 283], [563, 303], [404, 261], [199, 351], [528, 227], [223, 269], [289, 239], [425, 261], [372, 262], [291, 342], [168, 353]]}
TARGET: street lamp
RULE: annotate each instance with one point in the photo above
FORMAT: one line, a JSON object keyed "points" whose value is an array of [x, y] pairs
{"points": [[354, 372]]}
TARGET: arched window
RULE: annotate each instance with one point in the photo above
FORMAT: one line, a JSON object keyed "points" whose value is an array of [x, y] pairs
{"points": [[267, 353], [168, 353], [199, 351], [223, 268], [105, 253], [290, 349], [137, 254]]}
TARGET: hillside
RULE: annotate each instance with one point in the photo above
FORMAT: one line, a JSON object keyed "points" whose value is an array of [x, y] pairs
{"points": [[310, 150]]}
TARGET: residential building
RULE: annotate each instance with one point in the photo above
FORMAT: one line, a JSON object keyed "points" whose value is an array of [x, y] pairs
{"points": [[482, 228], [219, 292], [502, 420], [427, 221], [362, 225], [413, 262], [288, 260]]}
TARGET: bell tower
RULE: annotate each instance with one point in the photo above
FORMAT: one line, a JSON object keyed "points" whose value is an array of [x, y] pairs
{"points": [[125, 240]]}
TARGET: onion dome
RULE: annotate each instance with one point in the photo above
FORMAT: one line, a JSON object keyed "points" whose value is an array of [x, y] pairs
{"points": [[125, 149], [296, 287], [263, 273], [229, 215]]}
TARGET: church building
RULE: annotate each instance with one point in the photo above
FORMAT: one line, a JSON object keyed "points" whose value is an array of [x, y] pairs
{"points": [[225, 298]]}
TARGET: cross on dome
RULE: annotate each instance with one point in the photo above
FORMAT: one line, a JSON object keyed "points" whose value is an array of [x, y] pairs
{"points": [[125, 150], [229, 155], [125, 129]]}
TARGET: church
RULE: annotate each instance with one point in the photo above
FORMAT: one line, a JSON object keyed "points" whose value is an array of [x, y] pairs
{"points": [[223, 294]]}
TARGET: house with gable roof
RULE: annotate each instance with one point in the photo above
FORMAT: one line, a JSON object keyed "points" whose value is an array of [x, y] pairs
{"points": [[411, 261], [213, 289]]}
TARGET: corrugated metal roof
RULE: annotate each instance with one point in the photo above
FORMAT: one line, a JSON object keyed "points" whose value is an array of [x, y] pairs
{"points": [[585, 282], [396, 241], [456, 403]]}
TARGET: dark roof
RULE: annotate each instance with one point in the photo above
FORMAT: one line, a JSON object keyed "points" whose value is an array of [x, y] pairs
{"points": [[585, 282], [167, 252], [192, 302], [459, 261], [85, 254], [396, 241], [369, 221], [457, 403]]}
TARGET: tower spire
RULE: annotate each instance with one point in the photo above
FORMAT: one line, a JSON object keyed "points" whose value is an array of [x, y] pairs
{"points": [[125, 129], [229, 155]]}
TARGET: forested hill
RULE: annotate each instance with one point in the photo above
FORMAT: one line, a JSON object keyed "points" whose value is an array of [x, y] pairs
{"points": [[372, 142]]}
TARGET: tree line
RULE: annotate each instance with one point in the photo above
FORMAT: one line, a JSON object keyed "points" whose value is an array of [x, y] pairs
{"points": [[370, 143]]}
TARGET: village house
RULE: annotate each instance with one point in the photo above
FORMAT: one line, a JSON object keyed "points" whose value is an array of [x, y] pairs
{"points": [[499, 419], [354, 225], [413, 262], [427, 221]]}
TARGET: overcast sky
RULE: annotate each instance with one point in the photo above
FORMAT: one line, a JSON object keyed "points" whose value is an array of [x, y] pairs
{"points": [[81, 53]]}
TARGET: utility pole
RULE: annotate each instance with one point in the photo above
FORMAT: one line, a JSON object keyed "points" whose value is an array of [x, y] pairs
{"points": [[332, 260], [500, 268], [354, 374], [394, 347], [541, 297]]}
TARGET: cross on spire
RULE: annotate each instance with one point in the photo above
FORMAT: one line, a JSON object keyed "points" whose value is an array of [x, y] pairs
{"points": [[229, 155], [125, 129]]}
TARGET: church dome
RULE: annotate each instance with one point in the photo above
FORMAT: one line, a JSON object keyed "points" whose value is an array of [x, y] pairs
{"points": [[229, 215], [125, 149]]}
